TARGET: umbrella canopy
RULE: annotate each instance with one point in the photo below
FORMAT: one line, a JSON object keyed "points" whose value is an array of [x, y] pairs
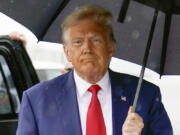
{"points": [[146, 31], [132, 26], [36, 15]]}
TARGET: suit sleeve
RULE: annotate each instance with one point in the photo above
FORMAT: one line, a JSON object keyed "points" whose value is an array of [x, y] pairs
{"points": [[27, 124], [159, 120]]}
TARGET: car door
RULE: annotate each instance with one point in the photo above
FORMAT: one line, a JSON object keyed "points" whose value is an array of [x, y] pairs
{"points": [[16, 74]]}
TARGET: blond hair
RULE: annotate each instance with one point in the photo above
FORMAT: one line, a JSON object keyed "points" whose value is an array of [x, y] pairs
{"points": [[91, 12]]}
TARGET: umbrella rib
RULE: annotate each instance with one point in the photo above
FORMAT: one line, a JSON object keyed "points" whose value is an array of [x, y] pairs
{"points": [[61, 7], [167, 26], [123, 11]]}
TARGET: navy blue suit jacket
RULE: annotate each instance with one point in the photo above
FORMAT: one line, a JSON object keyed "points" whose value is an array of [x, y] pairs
{"points": [[51, 108]]}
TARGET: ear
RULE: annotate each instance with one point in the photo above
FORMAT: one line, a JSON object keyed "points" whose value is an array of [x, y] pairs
{"points": [[67, 53]]}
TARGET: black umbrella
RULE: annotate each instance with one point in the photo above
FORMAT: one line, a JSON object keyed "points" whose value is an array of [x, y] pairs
{"points": [[43, 18], [163, 66], [140, 26]]}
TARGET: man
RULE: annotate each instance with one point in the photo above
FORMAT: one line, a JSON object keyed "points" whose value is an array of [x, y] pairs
{"points": [[91, 99]]}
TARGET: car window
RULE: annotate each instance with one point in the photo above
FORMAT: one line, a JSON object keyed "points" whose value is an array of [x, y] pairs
{"points": [[9, 100]]}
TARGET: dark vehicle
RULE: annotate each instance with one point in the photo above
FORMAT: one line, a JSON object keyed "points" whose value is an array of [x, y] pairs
{"points": [[16, 74]]}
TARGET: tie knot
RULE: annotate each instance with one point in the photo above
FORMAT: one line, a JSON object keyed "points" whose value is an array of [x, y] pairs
{"points": [[94, 89]]}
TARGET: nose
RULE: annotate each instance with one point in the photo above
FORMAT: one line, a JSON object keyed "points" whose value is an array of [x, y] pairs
{"points": [[87, 47]]}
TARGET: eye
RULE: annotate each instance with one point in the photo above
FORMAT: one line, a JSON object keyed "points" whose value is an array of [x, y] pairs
{"points": [[77, 42], [96, 41]]}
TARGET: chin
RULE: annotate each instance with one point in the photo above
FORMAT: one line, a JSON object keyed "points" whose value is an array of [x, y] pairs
{"points": [[93, 71]]}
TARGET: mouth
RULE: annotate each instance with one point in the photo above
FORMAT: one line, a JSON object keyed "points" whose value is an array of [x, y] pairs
{"points": [[89, 59]]}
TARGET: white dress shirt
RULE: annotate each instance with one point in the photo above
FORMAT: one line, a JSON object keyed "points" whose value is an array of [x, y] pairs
{"points": [[104, 96]]}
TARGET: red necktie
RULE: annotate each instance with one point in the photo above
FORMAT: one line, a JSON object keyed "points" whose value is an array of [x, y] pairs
{"points": [[95, 121]]}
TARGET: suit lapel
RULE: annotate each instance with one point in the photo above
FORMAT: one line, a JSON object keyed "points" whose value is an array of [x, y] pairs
{"points": [[120, 103], [66, 100]]}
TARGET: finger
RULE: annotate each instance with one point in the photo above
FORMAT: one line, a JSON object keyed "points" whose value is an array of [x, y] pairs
{"points": [[130, 109], [130, 125], [130, 114], [18, 36], [130, 130], [137, 117], [13, 35], [134, 123]]}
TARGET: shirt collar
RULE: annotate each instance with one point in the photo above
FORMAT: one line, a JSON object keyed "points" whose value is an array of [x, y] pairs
{"points": [[83, 85]]}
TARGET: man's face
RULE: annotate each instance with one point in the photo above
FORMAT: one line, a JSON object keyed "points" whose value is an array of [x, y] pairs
{"points": [[89, 48]]}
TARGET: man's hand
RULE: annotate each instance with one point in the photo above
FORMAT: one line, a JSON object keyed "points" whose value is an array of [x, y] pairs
{"points": [[18, 36], [133, 124]]}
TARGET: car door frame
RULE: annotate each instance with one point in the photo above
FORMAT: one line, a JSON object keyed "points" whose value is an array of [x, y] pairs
{"points": [[23, 75]]}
